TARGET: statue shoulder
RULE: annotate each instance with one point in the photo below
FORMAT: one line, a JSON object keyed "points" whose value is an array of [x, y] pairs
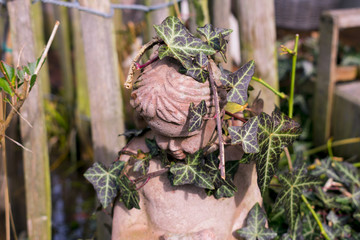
{"points": [[135, 144]]}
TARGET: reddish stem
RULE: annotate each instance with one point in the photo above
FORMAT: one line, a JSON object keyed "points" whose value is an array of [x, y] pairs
{"points": [[237, 117], [140, 66], [142, 185]]}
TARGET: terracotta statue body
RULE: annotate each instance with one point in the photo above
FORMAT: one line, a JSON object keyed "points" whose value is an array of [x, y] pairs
{"points": [[161, 96]]}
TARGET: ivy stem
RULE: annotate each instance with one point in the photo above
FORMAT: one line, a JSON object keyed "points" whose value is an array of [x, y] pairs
{"points": [[235, 116], [334, 144], [329, 143], [280, 94], [140, 66], [322, 230], [287, 153], [143, 49], [218, 122], [293, 71]]}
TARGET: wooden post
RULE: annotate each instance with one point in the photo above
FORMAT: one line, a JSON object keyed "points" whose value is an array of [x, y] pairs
{"points": [[104, 89], [258, 42], [36, 162], [154, 17]]}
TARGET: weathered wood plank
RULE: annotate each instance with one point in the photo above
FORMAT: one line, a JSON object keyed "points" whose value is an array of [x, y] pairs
{"points": [[258, 42], [346, 18], [104, 90], [36, 163]]}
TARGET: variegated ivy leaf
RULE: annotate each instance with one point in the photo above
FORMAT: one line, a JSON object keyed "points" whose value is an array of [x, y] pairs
{"points": [[311, 230], [223, 188], [141, 162], [246, 135], [296, 233], [326, 168], [238, 83], [196, 115], [274, 133], [215, 37], [104, 180], [198, 69], [255, 226], [348, 173], [191, 172], [180, 43], [329, 200], [153, 147], [292, 186], [128, 193]]}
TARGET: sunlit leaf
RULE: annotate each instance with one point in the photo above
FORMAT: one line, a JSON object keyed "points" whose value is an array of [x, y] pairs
{"points": [[180, 43], [348, 173], [274, 133], [198, 69], [104, 180], [233, 108], [191, 172], [8, 71], [238, 83], [4, 85], [215, 37], [196, 114], [246, 135], [128, 193], [255, 226], [292, 186]]}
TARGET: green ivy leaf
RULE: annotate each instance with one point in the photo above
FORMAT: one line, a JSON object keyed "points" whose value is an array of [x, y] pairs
{"points": [[4, 85], [292, 186], [198, 69], [191, 172], [255, 226], [238, 83], [141, 162], [310, 228], [326, 168], [223, 188], [128, 193], [296, 233], [274, 133], [347, 172], [355, 197], [153, 147], [196, 115], [329, 200], [246, 135], [105, 180], [215, 37], [180, 43], [9, 72]]}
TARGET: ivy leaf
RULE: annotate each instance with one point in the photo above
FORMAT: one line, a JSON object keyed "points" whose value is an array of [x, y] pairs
{"points": [[105, 180], [223, 188], [347, 172], [191, 172], [246, 135], [128, 193], [153, 147], [329, 200], [180, 43], [310, 227], [196, 115], [9, 72], [355, 197], [233, 108], [215, 37], [296, 233], [274, 133], [255, 226], [198, 69], [292, 186], [141, 163], [326, 168], [238, 83]]}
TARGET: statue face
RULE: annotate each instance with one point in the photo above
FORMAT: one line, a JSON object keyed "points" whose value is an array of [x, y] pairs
{"points": [[179, 146]]}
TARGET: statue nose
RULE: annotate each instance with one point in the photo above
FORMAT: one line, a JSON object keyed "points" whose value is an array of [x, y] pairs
{"points": [[173, 145]]}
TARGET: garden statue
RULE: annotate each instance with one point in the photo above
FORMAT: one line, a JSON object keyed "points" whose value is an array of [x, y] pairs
{"points": [[162, 97], [209, 156]]}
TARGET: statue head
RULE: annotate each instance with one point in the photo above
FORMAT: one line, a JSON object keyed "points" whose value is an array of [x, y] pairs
{"points": [[161, 96]]}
